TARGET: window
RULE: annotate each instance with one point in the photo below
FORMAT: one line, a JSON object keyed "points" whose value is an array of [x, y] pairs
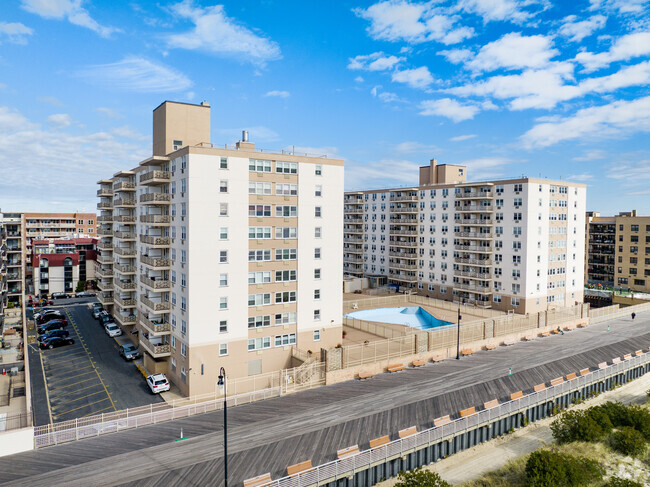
{"points": [[316, 273], [259, 165], [183, 303], [285, 276], [183, 233], [223, 280], [318, 232], [259, 321], [259, 210], [223, 163], [259, 255], [318, 212], [516, 230], [81, 222], [183, 327], [223, 256], [223, 326], [183, 256], [173, 342], [518, 187], [286, 211], [285, 318], [183, 350], [282, 340], [317, 254], [223, 233], [261, 277], [285, 297], [316, 335], [497, 298], [259, 188], [261, 299], [259, 343], [318, 170], [316, 293], [223, 349], [286, 167], [319, 190], [316, 315], [286, 254], [223, 209], [259, 233], [183, 185], [173, 276], [183, 209], [286, 189], [183, 280], [514, 301]]}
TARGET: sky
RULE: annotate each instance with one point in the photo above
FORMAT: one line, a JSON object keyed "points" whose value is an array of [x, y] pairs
{"points": [[510, 88]]}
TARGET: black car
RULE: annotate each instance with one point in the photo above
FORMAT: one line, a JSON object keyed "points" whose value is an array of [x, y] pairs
{"points": [[54, 333], [104, 318], [53, 325], [56, 342], [50, 315], [60, 296], [84, 294]]}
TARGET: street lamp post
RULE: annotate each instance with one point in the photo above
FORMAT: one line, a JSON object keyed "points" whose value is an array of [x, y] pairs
{"points": [[222, 389], [458, 340]]}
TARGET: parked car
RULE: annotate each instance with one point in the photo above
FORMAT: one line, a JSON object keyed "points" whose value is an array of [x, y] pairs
{"points": [[55, 342], [52, 325], [104, 318], [96, 310], [84, 294], [53, 319], [50, 315], [54, 333], [112, 330], [60, 296], [41, 312], [158, 383], [129, 351], [37, 303]]}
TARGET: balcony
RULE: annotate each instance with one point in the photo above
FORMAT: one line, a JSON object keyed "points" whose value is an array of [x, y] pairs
{"points": [[473, 288], [474, 302], [105, 219], [397, 220], [353, 240], [474, 209], [353, 260], [408, 267], [105, 285], [124, 269], [104, 272], [125, 236], [155, 242], [105, 205], [155, 219], [407, 197], [105, 232], [125, 320], [155, 350], [155, 285], [471, 261], [403, 243], [14, 276], [485, 276], [125, 302], [155, 327], [124, 252], [155, 198], [14, 263], [402, 232], [474, 221], [124, 203], [155, 177], [158, 263], [403, 255], [105, 246], [126, 219], [405, 209], [124, 186], [105, 192], [105, 298], [353, 250], [156, 308], [14, 290], [474, 248], [475, 195], [105, 259], [354, 230], [473, 235], [124, 286], [353, 211], [402, 277], [13, 249]]}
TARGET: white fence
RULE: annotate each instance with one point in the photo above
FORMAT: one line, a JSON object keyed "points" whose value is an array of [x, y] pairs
{"points": [[599, 315], [330, 471]]}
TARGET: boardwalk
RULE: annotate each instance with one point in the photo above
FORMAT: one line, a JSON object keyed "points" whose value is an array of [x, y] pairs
{"points": [[269, 435]]}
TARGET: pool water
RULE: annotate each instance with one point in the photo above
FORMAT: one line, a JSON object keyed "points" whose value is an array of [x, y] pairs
{"points": [[412, 316]]}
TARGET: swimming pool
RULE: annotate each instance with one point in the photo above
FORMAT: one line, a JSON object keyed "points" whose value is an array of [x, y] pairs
{"points": [[412, 316]]}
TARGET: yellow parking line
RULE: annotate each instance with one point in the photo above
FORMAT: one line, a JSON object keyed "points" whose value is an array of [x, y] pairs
{"points": [[79, 399], [57, 360], [80, 407], [95, 412], [47, 394], [74, 384], [76, 390], [78, 375]]}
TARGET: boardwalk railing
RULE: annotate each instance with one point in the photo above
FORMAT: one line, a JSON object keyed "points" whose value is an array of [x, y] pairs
{"points": [[599, 315], [330, 471]]}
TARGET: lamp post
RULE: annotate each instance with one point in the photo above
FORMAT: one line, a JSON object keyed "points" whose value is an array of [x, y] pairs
{"points": [[222, 389], [458, 340]]}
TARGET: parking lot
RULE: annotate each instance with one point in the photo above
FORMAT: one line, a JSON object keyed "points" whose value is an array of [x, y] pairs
{"points": [[85, 378]]}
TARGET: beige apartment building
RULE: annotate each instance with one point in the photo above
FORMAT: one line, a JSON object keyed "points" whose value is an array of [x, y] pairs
{"points": [[513, 244], [221, 256], [12, 259], [618, 251]]}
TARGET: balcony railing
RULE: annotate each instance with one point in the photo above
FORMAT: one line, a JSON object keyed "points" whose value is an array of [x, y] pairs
{"points": [[405, 209], [105, 232], [125, 303], [402, 232], [402, 243], [358, 240], [473, 248], [353, 250], [101, 271], [124, 269], [162, 327], [124, 202], [125, 319], [155, 198], [475, 195], [473, 221], [468, 261], [105, 259], [474, 208], [157, 263], [154, 241], [156, 351], [104, 192], [104, 205], [473, 235], [353, 260], [125, 252], [155, 284], [105, 246], [125, 235], [394, 265], [125, 218], [486, 276], [155, 219], [105, 297], [124, 186], [473, 288], [126, 286], [105, 218], [155, 177], [403, 255], [402, 277], [408, 197], [155, 307]]}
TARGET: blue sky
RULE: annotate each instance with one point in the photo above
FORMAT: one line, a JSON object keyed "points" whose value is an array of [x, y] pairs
{"points": [[544, 88]]}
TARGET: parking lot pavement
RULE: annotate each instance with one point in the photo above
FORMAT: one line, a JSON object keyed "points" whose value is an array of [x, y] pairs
{"points": [[88, 377]]}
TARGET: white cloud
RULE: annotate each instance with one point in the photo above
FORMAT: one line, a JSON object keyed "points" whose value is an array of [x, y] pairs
{"points": [[446, 107], [401, 20], [514, 51], [625, 47], [377, 61], [359, 79], [630, 171], [591, 155], [576, 31], [216, 33], [15, 32], [108, 112], [415, 78], [51, 100], [492, 10], [60, 120], [580, 177], [388, 173], [256, 133], [456, 56], [278, 94], [70, 9], [384, 96], [137, 75], [619, 6], [460, 138], [618, 118]]}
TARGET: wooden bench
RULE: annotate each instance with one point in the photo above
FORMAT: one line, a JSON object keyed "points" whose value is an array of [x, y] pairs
{"points": [[347, 452], [627, 356], [516, 395], [366, 374], [571, 376], [491, 346], [258, 481], [466, 351], [557, 381], [529, 338], [638, 352], [602, 365], [381, 441], [616, 360], [585, 371], [555, 331], [408, 432], [437, 358], [442, 421], [419, 362], [583, 325], [467, 412], [490, 404], [396, 367], [299, 468], [569, 327], [539, 387], [545, 334], [509, 341]]}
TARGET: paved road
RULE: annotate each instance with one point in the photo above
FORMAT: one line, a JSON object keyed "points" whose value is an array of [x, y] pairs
{"points": [[269, 435], [86, 378]]}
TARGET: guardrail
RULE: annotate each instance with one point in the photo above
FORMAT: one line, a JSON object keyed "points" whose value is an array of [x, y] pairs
{"points": [[328, 472]]}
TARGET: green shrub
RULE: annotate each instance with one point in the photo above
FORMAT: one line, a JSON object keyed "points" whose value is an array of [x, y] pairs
{"points": [[550, 469], [617, 412], [420, 478], [639, 419], [619, 482], [628, 441], [580, 426]]}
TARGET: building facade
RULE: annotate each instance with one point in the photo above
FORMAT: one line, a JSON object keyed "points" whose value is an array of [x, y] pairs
{"points": [[13, 258], [221, 257], [506, 244], [618, 251], [60, 264]]}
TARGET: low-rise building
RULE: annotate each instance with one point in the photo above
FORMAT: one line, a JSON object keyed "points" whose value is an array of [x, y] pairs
{"points": [[62, 264]]}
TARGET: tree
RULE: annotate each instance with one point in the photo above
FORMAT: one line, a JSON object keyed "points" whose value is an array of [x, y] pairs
{"points": [[81, 286], [420, 478]]}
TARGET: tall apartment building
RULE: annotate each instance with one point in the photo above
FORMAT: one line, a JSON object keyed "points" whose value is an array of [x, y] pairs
{"points": [[514, 244], [13, 258], [618, 250], [221, 257]]}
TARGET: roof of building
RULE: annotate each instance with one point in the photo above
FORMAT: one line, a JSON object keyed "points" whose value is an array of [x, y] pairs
{"points": [[54, 260], [65, 241]]}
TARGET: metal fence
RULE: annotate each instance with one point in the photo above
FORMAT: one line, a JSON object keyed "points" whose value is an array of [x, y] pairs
{"points": [[411, 299], [599, 315], [329, 471], [15, 421]]}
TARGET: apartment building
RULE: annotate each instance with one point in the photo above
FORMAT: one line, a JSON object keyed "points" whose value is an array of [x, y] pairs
{"points": [[62, 264], [13, 258], [512, 244], [221, 256], [618, 250]]}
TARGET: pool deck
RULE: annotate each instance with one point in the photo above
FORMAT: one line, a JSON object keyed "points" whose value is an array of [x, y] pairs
{"points": [[267, 436]]}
